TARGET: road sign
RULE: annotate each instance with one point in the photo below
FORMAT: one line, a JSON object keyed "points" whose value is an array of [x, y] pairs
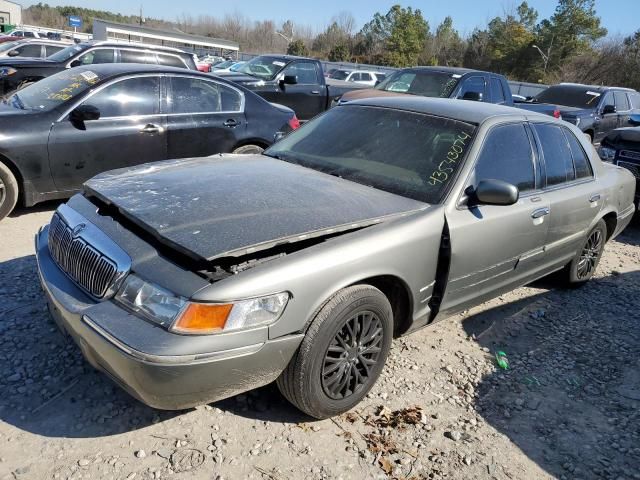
{"points": [[75, 21]]}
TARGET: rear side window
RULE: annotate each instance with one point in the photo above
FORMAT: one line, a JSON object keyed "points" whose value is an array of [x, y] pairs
{"points": [[507, 155], [102, 55], [170, 61], [622, 103], [580, 160], [136, 56], [497, 94], [194, 95], [365, 76], [557, 154], [473, 85]]}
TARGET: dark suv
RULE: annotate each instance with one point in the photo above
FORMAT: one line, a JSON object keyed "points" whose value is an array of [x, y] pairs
{"points": [[16, 73], [595, 110]]}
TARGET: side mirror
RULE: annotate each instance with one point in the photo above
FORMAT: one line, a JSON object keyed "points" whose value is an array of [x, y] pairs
{"points": [[473, 96], [634, 120], [496, 192], [75, 63], [84, 113], [13, 53], [290, 79], [608, 109]]}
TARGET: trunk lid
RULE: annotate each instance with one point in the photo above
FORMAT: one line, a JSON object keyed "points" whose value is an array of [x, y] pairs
{"points": [[232, 205]]}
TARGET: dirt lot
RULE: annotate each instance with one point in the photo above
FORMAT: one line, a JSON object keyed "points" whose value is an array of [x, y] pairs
{"points": [[567, 407]]}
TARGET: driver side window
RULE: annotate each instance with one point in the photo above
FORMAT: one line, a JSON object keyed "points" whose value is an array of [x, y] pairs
{"points": [[102, 55], [305, 71], [131, 97], [507, 155]]}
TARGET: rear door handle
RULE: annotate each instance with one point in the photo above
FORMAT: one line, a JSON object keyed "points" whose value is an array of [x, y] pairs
{"points": [[151, 128], [594, 198], [231, 123], [540, 212]]}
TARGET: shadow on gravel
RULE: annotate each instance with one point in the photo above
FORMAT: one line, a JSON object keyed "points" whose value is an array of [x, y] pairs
{"points": [[47, 387], [571, 397], [631, 234]]}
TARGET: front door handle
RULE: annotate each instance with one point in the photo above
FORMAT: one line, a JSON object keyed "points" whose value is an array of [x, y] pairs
{"points": [[594, 198], [315, 92], [151, 128], [540, 212], [231, 123]]}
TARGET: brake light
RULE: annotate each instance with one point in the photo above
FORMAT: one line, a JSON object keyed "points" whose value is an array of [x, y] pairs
{"points": [[294, 123], [556, 113]]}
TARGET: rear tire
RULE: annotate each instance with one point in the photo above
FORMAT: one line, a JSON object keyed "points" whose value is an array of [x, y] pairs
{"points": [[342, 353], [8, 191], [249, 150], [580, 270]]}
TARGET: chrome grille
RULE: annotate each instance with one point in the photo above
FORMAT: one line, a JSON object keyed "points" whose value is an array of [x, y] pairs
{"points": [[633, 167], [630, 154], [89, 268]]}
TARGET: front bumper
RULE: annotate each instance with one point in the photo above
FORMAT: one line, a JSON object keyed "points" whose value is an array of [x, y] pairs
{"points": [[169, 379]]}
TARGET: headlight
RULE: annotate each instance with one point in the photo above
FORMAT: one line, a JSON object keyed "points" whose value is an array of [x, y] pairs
{"points": [[607, 154], [150, 301], [6, 71], [182, 316]]}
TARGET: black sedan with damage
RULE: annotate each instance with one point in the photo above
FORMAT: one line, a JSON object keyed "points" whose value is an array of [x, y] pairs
{"points": [[63, 130]]}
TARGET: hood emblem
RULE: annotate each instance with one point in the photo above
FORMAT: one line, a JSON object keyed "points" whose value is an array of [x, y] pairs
{"points": [[77, 230]]}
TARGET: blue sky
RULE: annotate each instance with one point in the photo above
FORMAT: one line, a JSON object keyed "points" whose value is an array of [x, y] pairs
{"points": [[618, 16]]}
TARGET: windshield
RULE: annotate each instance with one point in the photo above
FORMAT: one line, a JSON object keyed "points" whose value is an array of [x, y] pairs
{"points": [[9, 45], [263, 67], [410, 154], [569, 96], [66, 53], [225, 64], [424, 84], [53, 91], [340, 74], [237, 66]]}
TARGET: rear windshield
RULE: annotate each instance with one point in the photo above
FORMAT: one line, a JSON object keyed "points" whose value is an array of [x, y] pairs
{"points": [[406, 153], [424, 84], [50, 92], [570, 96]]}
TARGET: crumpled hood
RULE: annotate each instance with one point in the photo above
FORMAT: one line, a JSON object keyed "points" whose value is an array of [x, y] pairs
{"points": [[628, 137], [237, 77], [231, 205], [573, 112]]}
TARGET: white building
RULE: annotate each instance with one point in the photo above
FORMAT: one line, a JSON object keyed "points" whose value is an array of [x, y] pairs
{"points": [[105, 30], [10, 12]]}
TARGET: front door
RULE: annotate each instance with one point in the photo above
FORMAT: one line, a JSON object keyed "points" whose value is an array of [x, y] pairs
{"points": [[495, 248], [608, 121], [205, 117], [307, 97], [130, 131]]}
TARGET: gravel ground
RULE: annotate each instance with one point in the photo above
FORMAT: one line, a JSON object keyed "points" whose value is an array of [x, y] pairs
{"points": [[568, 406]]}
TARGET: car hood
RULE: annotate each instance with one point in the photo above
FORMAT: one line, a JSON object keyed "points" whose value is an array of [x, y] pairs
{"points": [[574, 111], [26, 61], [625, 138], [237, 77], [232, 205], [368, 93]]}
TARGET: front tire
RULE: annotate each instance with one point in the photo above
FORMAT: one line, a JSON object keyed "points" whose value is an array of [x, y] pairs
{"points": [[342, 353], [584, 264], [8, 191], [249, 150]]}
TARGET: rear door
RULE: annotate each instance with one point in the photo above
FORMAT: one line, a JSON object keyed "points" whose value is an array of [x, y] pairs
{"points": [[205, 117], [131, 130], [497, 247], [574, 195]]}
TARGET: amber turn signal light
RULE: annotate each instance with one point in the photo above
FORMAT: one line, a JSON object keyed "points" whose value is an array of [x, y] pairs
{"points": [[202, 318]]}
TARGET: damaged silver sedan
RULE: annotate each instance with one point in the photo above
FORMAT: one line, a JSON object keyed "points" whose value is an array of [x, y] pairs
{"points": [[190, 281]]}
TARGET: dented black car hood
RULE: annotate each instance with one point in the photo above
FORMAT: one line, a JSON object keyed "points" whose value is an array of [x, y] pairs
{"points": [[233, 205]]}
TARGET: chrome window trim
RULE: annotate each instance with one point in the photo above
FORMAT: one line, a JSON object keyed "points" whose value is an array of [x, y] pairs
{"points": [[92, 92], [205, 79], [89, 50]]}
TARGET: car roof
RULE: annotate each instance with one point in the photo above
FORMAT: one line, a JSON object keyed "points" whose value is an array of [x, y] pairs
{"points": [[463, 110], [452, 70], [110, 70], [139, 46]]}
